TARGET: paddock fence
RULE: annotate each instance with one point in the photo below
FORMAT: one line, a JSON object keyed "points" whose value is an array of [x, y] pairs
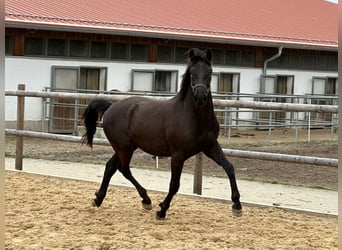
{"points": [[229, 118], [20, 133]]}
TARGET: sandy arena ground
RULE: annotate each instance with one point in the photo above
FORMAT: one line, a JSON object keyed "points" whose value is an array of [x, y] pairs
{"points": [[54, 213]]}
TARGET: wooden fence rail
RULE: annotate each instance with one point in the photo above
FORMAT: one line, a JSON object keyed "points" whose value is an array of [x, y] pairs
{"points": [[319, 161], [216, 102]]}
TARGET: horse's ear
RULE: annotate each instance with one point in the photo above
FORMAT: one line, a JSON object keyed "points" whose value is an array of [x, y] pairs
{"points": [[191, 54], [209, 55]]}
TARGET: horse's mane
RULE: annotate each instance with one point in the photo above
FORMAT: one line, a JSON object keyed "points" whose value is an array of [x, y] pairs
{"points": [[199, 55]]}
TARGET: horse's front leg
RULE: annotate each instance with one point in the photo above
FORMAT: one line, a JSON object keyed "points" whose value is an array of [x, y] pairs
{"points": [[215, 152], [176, 171], [111, 167]]}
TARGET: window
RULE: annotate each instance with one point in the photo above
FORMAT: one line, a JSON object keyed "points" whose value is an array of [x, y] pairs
{"points": [[214, 82], [282, 61], [79, 48], [165, 54], [34, 46], [248, 58], [279, 62], [218, 56], [98, 50], [139, 52], [267, 84], [308, 62], [295, 61], [324, 86], [332, 62], [165, 81], [93, 78], [8, 45], [232, 57], [56, 47], [157, 80], [119, 51], [226, 83], [142, 80], [321, 62], [303, 61], [278, 84], [180, 54]]}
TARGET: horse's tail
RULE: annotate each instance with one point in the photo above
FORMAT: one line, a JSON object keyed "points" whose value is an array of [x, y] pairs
{"points": [[95, 108]]}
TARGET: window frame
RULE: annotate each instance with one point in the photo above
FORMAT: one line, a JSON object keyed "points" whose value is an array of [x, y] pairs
{"points": [[153, 72]]}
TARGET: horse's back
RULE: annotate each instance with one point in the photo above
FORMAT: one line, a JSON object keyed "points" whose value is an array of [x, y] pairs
{"points": [[137, 121]]}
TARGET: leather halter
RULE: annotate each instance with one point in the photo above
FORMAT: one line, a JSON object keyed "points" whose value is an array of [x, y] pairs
{"points": [[200, 85]]}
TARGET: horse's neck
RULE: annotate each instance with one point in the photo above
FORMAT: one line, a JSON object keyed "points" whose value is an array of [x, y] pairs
{"points": [[203, 113]]}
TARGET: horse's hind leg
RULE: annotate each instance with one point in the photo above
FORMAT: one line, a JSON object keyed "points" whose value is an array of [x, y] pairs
{"points": [[111, 167], [125, 170], [146, 201]]}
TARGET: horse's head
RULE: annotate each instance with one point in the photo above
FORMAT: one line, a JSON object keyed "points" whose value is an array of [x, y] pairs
{"points": [[200, 75]]}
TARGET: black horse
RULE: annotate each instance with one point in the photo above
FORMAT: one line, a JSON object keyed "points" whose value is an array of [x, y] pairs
{"points": [[179, 127]]}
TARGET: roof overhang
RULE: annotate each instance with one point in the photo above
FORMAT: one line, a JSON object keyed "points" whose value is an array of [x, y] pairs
{"points": [[170, 33]]}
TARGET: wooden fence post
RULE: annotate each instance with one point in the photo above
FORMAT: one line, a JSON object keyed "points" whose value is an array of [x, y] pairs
{"points": [[198, 174], [20, 126]]}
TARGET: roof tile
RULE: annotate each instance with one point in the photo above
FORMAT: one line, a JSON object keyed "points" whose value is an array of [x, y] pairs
{"points": [[302, 22]]}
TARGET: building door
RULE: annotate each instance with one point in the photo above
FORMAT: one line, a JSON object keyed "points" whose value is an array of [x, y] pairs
{"points": [[62, 111], [324, 91], [277, 88], [228, 86], [284, 87], [92, 80], [65, 113]]}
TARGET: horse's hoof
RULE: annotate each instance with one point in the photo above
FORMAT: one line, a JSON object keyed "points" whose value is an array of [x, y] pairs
{"points": [[95, 203], [147, 206], [159, 216], [237, 212]]}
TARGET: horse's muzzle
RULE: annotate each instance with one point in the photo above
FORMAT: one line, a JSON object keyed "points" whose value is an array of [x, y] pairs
{"points": [[200, 95]]}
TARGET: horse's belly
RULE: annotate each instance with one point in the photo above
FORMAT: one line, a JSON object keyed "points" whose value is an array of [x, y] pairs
{"points": [[158, 152], [151, 143]]}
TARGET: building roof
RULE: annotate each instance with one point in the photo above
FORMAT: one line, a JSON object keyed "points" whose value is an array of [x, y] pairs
{"points": [[292, 23]]}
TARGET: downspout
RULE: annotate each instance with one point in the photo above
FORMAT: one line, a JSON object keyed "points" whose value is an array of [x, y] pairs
{"points": [[263, 79], [280, 49]]}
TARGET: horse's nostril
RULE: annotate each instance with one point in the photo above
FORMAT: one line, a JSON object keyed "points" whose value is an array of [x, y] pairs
{"points": [[201, 100]]}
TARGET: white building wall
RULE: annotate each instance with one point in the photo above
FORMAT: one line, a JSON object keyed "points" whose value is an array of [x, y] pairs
{"points": [[36, 74]]}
